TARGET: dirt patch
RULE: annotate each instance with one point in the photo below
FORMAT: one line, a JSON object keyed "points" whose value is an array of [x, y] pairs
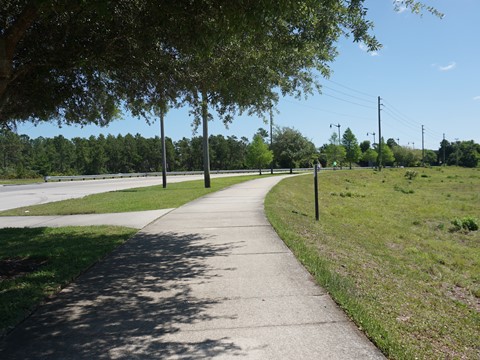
{"points": [[462, 295], [12, 268]]}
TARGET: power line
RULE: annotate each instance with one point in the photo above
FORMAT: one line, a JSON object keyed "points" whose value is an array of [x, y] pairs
{"points": [[351, 89], [348, 101], [327, 111], [396, 117], [344, 93], [410, 121]]}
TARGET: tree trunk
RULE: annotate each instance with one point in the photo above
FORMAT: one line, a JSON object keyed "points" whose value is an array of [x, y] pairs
{"points": [[206, 154], [164, 149]]}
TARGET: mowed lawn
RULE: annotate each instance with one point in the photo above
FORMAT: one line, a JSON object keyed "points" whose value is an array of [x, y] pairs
{"points": [[37, 263], [135, 199], [386, 249]]}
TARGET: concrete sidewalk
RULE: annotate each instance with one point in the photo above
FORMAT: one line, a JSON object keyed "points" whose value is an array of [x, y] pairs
{"points": [[137, 219], [210, 279]]}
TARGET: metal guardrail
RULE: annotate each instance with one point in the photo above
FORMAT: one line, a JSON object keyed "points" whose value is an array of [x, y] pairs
{"points": [[171, 173]]}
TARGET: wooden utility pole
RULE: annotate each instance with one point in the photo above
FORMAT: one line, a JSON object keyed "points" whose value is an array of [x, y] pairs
{"points": [[423, 146], [379, 137], [443, 146]]}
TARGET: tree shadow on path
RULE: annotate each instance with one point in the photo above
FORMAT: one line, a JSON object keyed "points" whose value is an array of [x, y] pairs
{"points": [[127, 305]]}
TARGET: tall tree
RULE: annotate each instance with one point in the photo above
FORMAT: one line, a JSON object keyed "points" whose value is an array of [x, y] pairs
{"points": [[351, 146], [335, 153], [258, 153], [291, 149], [365, 145], [387, 157]]}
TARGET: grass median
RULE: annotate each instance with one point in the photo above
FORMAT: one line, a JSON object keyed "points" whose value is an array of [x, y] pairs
{"points": [[37, 263], [389, 250], [137, 199]]}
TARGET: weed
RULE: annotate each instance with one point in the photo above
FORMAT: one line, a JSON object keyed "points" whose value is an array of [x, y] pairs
{"points": [[403, 190], [411, 174], [468, 223]]}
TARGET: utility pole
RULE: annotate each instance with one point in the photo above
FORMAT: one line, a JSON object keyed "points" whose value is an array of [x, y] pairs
{"points": [[443, 148], [379, 137], [339, 136], [271, 137], [423, 146], [398, 141]]}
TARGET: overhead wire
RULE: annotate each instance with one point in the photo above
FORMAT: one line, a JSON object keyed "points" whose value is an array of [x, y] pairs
{"points": [[344, 93], [327, 111], [348, 101], [351, 89]]}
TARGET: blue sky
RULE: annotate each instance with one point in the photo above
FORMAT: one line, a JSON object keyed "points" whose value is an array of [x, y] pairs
{"points": [[427, 73]]}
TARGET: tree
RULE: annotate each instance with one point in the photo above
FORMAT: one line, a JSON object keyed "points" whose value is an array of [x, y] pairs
{"points": [[291, 149], [351, 146], [370, 157], [391, 143], [335, 153], [405, 156], [365, 145], [466, 153], [387, 157], [431, 157], [258, 154], [77, 61]]}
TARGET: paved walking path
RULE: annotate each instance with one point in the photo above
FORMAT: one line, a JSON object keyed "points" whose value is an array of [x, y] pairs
{"points": [[137, 219], [210, 279]]}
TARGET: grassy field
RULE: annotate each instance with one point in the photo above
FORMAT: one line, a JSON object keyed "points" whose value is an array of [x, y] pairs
{"points": [[387, 251], [138, 199], [37, 263]]}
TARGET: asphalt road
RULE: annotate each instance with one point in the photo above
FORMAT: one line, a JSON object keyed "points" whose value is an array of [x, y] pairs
{"points": [[14, 196]]}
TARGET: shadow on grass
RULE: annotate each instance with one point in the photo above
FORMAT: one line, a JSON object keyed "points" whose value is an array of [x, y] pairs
{"points": [[129, 306]]}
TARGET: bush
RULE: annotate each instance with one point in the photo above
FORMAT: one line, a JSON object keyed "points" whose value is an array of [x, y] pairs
{"points": [[411, 174], [468, 223]]}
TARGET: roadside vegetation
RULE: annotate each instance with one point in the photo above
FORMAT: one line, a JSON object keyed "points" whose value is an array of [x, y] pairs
{"points": [[37, 263], [398, 250], [138, 199], [20, 181]]}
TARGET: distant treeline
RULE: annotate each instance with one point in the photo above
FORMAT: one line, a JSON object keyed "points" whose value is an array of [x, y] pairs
{"points": [[22, 156]]}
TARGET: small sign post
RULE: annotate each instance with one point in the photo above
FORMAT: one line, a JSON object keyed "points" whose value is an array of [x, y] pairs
{"points": [[315, 182]]}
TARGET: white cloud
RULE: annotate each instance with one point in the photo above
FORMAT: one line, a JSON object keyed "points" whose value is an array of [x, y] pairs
{"points": [[477, 98], [364, 48], [448, 67]]}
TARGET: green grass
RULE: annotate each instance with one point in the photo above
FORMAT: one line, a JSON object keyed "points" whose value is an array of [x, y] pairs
{"points": [[138, 199], [20, 181], [387, 251], [67, 252]]}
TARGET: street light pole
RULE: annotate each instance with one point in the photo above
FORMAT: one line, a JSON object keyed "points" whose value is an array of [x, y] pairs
{"points": [[338, 126]]}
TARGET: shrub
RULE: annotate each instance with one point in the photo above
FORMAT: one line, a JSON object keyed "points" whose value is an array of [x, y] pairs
{"points": [[411, 174], [468, 223]]}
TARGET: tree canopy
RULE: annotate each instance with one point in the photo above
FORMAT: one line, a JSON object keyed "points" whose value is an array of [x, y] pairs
{"points": [[291, 149], [352, 148], [258, 153], [78, 61]]}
